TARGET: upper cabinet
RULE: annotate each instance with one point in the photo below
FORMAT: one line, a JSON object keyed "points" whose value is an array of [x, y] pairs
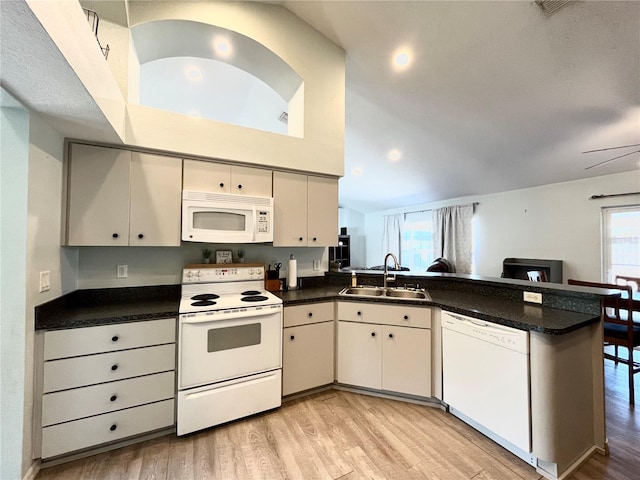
{"points": [[221, 178], [305, 210], [119, 198]]}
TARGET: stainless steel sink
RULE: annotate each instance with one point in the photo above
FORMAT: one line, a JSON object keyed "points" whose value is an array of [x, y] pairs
{"points": [[395, 293]]}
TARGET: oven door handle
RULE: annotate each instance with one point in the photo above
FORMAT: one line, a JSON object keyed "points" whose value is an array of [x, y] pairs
{"points": [[228, 315]]}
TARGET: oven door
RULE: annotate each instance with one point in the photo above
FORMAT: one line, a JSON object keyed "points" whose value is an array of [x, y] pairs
{"points": [[243, 343]]}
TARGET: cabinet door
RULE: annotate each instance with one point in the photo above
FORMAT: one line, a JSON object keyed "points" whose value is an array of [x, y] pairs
{"points": [[98, 196], [256, 182], [156, 183], [307, 357], [406, 360], [360, 354], [323, 211], [290, 210], [204, 176]]}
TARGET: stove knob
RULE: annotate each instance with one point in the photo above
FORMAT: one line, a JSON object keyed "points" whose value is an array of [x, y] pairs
{"points": [[251, 271], [189, 274], [198, 274], [259, 272]]}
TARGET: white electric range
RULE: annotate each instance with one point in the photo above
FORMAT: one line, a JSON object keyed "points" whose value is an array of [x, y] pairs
{"points": [[229, 345]]}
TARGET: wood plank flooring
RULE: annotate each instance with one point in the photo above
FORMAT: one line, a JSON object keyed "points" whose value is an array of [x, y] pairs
{"points": [[348, 436]]}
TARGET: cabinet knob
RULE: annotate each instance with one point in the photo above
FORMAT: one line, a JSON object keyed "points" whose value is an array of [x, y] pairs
{"points": [[315, 238], [114, 367], [406, 317], [310, 314], [140, 235], [239, 187], [113, 427], [359, 313], [299, 239], [373, 334], [115, 235], [114, 338], [292, 337], [391, 335], [113, 398], [221, 185]]}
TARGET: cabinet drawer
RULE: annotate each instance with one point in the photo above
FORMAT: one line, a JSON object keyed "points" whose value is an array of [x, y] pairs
{"points": [[307, 357], [83, 402], [308, 313], [108, 338], [401, 315], [71, 436], [92, 369]]}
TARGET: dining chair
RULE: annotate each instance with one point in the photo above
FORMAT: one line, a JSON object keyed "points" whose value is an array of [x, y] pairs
{"points": [[633, 282], [537, 276], [618, 325]]}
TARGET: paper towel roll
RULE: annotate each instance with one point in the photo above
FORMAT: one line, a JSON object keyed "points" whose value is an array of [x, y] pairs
{"points": [[292, 274]]}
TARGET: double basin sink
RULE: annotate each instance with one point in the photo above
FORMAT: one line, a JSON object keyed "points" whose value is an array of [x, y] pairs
{"points": [[388, 292]]}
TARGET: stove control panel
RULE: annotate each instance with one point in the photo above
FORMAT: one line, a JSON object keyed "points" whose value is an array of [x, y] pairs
{"points": [[222, 274]]}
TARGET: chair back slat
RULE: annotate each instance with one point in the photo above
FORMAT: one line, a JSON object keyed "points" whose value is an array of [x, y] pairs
{"points": [[612, 306]]}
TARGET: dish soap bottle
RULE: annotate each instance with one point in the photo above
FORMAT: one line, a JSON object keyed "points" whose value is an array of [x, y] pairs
{"points": [[354, 280]]}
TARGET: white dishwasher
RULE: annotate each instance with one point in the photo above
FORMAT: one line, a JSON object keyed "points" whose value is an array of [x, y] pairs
{"points": [[485, 370]]}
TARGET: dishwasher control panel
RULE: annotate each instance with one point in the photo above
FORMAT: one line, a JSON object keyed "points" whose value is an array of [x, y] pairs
{"points": [[494, 333]]}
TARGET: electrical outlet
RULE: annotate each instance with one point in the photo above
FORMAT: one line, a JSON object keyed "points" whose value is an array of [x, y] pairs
{"points": [[45, 281], [123, 271], [532, 297], [316, 265]]}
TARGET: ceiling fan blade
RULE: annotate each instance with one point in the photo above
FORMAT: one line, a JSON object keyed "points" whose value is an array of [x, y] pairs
{"points": [[612, 159], [613, 148]]}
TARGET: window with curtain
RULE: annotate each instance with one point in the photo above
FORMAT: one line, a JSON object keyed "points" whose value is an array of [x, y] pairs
{"points": [[416, 245], [620, 242]]}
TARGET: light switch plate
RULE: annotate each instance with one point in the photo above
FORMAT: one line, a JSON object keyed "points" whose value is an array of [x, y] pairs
{"points": [[532, 297], [123, 271], [45, 281]]}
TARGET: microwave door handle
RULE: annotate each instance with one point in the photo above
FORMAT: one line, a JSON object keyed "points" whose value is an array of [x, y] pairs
{"points": [[253, 223]]}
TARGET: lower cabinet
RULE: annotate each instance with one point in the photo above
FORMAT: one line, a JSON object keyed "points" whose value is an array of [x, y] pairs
{"points": [[307, 347], [106, 383], [376, 351]]}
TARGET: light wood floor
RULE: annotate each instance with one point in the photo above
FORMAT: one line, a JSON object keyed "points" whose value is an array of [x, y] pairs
{"points": [[347, 436]]}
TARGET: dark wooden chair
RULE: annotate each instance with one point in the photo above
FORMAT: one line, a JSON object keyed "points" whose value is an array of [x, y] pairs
{"points": [[537, 276], [633, 282], [619, 328]]}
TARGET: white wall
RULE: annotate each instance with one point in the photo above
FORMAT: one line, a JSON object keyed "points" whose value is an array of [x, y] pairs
{"points": [[14, 151], [555, 222], [43, 247]]}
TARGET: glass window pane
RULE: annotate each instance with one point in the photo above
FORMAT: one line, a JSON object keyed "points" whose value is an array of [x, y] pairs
{"points": [[621, 242]]}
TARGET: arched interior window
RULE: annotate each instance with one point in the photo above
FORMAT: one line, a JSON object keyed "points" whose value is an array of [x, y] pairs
{"points": [[205, 71]]}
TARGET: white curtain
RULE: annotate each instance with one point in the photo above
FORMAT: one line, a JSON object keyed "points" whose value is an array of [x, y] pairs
{"points": [[391, 234], [452, 235]]}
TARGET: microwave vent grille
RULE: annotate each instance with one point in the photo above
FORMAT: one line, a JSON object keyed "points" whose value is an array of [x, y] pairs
{"points": [[226, 198]]}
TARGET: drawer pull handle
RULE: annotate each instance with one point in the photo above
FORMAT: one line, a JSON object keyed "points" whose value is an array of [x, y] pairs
{"points": [[359, 313], [115, 235], [114, 367], [221, 185], [391, 335], [310, 314], [113, 427], [292, 337], [406, 317], [239, 187], [113, 398], [140, 235], [373, 334], [114, 338]]}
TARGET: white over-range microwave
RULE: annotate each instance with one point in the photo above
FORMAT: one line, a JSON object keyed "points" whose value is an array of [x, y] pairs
{"points": [[225, 218]]}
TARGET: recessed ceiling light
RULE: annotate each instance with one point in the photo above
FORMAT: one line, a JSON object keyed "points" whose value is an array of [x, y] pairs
{"points": [[222, 46], [402, 59], [394, 155], [193, 73]]}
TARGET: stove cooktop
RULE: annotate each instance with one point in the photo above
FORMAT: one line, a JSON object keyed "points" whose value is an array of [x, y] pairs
{"points": [[192, 302]]}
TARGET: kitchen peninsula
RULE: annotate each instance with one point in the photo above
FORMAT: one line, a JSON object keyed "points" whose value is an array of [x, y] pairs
{"points": [[565, 344]]}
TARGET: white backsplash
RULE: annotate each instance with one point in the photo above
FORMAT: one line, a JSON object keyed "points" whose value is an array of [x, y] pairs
{"points": [[163, 265]]}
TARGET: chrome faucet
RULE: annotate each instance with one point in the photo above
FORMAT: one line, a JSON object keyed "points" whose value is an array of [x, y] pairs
{"points": [[386, 274]]}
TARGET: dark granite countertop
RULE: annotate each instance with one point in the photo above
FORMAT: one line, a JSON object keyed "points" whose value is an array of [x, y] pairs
{"points": [[517, 314], [84, 308]]}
